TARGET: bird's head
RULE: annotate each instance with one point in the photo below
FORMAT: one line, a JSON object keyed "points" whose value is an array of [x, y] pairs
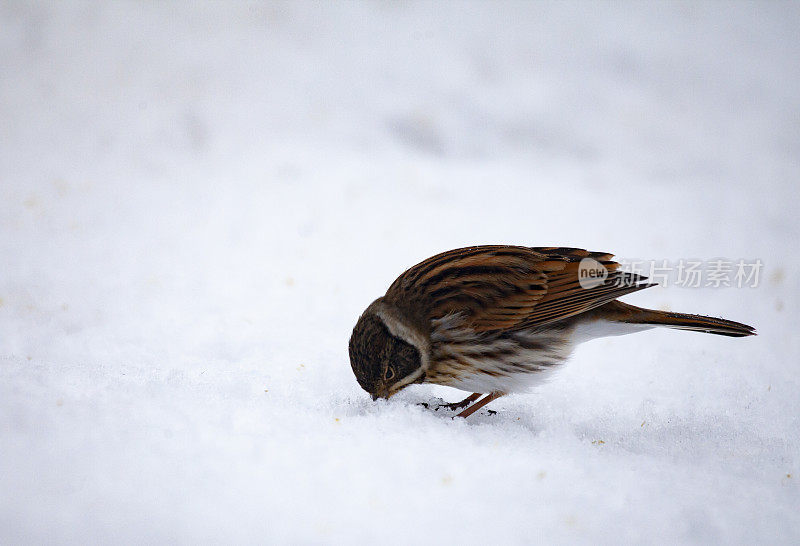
{"points": [[383, 363]]}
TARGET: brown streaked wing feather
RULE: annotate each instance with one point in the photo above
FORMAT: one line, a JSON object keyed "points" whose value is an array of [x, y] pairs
{"points": [[506, 287], [494, 287]]}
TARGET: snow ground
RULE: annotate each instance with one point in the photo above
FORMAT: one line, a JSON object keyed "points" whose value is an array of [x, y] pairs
{"points": [[196, 203]]}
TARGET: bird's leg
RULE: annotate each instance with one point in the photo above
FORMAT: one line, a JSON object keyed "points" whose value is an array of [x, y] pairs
{"points": [[480, 403], [463, 404]]}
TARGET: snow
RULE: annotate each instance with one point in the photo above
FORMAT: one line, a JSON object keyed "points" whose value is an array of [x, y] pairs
{"points": [[197, 202]]}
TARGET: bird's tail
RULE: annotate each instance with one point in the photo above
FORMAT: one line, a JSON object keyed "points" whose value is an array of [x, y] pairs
{"points": [[622, 312]]}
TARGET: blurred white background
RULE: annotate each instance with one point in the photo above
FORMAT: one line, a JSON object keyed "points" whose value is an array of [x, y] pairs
{"points": [[197, 200]]}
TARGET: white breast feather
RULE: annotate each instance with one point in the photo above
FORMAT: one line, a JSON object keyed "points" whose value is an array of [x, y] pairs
{"points": [[525, 359]]}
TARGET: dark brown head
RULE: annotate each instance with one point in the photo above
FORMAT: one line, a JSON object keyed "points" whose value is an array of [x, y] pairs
{"points": [[382, 362]]}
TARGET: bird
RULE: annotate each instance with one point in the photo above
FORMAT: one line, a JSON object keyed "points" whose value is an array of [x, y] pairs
{"points": [[498, 319]]}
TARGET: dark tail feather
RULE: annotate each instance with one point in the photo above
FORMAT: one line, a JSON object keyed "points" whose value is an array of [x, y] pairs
{"points": [[682, 321]]}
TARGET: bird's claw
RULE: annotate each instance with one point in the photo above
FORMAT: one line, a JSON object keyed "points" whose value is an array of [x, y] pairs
{"points": [[453, 406], [436, 407]]}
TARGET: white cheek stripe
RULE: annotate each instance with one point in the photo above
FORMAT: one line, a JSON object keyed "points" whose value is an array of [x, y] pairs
{"points": [[398, 329]]}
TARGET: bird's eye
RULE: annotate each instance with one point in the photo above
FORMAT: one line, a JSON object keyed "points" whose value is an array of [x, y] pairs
{"points": [[388, 375]]}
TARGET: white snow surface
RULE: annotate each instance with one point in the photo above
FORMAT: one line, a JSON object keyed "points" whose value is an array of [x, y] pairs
{"points": [[198, 200]]}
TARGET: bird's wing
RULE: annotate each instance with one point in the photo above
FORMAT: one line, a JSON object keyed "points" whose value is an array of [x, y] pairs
{"points": [[501, 287]]}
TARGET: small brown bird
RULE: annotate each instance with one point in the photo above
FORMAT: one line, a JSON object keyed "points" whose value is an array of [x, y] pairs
{"points": [[495, 319]]}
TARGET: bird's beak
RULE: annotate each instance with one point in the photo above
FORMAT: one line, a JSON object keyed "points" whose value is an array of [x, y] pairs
{"points": [[384, 393]]}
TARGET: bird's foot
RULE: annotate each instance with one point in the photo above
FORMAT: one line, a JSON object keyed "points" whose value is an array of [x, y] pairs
{"points": [[459, 405], [452, 407], [455, 406]]}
